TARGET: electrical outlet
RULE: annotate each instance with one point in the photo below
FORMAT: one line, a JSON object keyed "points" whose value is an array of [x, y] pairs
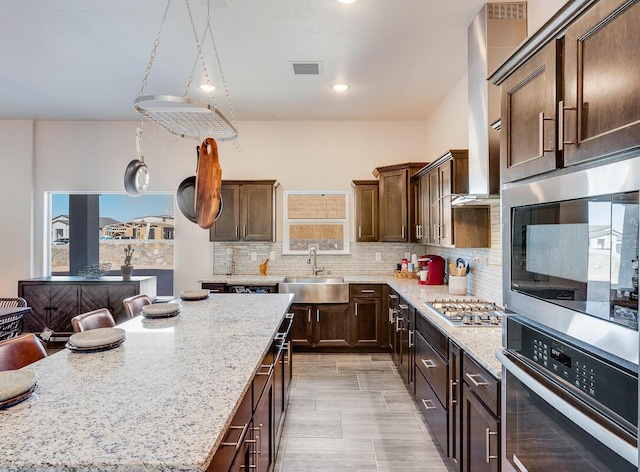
{"points": [[254, 256], [378, 257], [407, 256], [272, 255]]}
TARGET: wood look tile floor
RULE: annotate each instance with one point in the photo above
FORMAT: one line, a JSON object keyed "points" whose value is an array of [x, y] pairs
{"points": [[352, 412]]}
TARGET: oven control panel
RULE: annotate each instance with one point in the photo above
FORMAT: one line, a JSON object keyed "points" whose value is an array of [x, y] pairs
{"points": [[584, 371]]}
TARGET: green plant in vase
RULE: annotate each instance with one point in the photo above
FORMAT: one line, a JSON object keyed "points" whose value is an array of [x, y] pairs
{"points": [[127, 267]]}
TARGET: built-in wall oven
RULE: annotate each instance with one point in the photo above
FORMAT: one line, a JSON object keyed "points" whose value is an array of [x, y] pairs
{"points": [[570, 357]]}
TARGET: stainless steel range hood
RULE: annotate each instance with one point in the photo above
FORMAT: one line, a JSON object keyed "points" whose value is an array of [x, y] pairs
{"points": [[492, 36]]}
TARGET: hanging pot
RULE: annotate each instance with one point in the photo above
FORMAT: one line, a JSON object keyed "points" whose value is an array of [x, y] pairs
{"points": [[186, 196], [136, 176], [208, 184]]}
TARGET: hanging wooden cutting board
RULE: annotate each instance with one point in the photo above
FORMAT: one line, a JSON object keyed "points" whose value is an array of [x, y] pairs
{"points": [[208, 184]]}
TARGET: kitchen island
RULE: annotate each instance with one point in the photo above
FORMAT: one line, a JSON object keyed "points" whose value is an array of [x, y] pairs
{"points": [[161, 401]]}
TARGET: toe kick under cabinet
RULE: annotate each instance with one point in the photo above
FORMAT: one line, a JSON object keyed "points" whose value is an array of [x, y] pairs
{"points": [[55, 300]]}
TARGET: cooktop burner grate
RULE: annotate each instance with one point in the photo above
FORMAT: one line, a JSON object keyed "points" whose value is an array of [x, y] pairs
{"points": [[467, 312]]}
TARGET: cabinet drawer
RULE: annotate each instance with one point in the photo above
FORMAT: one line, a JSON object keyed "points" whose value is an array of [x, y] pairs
{"points": [[483, 384], [360, 291], [213, 287], [234, 437], [433, 336], [432, 367], [434, 412]]}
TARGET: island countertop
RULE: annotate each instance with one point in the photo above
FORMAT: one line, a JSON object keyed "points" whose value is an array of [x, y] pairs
{"points": [[161, 401]]}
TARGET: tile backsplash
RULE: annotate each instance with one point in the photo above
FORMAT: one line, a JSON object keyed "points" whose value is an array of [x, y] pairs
{"points": [[485, 279]]}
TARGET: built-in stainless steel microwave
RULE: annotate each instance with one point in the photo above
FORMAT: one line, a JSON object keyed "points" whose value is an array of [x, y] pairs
{"points": [[572, 258]]}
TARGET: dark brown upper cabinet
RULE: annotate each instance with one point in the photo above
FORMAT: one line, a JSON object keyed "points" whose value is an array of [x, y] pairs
{"points": [[397, 200], [570, 92], [528, 135], [247, 212], [366, 208], [602, 92]]}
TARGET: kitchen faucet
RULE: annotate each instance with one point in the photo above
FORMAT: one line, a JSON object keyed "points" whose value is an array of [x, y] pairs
{"points": [[313, 252]]}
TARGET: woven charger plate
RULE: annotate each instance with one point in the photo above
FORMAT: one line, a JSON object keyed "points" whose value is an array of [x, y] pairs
{"points": [[13, 383], [97, 337], [194, 294], [160, 309]]}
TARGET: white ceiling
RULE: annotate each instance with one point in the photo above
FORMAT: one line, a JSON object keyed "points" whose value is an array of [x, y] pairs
{"points": [[85, 59]]}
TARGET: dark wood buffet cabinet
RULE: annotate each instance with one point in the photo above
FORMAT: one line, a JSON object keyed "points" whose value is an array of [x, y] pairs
{"points": [[55, 300]]}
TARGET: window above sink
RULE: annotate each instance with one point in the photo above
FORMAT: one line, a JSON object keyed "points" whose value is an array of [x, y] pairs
{"points": [[316, 218]]}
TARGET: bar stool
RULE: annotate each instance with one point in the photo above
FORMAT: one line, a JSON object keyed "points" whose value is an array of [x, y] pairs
{"points": [[92, 320], [15, 353], [133, 305]]}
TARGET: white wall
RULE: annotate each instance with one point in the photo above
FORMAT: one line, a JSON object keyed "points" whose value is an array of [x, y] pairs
{"points": [[16, 204], [92, 157]]}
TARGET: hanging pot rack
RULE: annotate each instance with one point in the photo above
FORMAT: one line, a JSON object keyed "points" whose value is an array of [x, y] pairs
{"points": [[184, 116]]}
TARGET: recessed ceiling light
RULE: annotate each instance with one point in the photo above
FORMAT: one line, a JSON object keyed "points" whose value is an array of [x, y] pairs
{"points": [[207, 87], [347, 2], [340, 87]]}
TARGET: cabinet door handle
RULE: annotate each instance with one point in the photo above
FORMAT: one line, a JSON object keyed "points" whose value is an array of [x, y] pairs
{"points": [[561, 110], [393, 297], [428, 363], [472, 377], [432, 407], [359, 231], [398, 321], [244, 230], [487, 435], [392, 317], [541, 120], [236, 231], [237, 444], [452, 383], [367, 291], [309, 317], [410, 338], [404, 307], [402, 231], [356, 309], [317, 315], [269, 369]]}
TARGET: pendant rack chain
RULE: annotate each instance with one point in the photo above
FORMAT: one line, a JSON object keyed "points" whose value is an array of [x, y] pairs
{"points": [[183, 116]]}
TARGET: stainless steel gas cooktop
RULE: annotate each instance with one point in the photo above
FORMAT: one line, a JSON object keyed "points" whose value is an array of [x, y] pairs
{"points": [[473, 313]]}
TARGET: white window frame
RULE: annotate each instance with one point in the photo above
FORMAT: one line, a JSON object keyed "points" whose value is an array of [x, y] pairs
{"points": [[335, 221]]}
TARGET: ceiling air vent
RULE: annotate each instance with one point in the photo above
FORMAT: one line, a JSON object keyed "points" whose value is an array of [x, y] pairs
{"points": [[307, 68], [506, 11]]}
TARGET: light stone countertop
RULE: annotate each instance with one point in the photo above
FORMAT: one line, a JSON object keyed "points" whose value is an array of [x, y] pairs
{"points": [[161, 401], [479, 343]]}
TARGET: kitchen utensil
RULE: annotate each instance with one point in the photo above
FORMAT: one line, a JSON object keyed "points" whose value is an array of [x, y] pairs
{"points": [[186, 196], [136, 175], [208, 184]]}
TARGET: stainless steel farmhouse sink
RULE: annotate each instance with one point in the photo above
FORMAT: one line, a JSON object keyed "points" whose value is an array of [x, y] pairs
{"points": [[316, 289]]}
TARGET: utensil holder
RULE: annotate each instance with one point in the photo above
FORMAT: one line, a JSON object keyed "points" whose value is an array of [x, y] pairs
{"points": [[457, 285]]}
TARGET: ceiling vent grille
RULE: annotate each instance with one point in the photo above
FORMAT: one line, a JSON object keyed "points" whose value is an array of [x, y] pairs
{"points": [[306, 68], [506, 11]]}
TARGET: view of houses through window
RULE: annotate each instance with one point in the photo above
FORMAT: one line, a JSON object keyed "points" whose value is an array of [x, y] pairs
{"points": [[146, 222]]}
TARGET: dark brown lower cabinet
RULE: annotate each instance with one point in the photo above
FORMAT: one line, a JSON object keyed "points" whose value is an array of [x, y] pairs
{"points": [[369, 324], [235, 452], [263, 421], [434, 412], [455, 404], [321, 326], [480, 435]]}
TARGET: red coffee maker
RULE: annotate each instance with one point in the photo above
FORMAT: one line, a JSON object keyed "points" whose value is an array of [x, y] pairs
{"points": [[434, 265]]}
